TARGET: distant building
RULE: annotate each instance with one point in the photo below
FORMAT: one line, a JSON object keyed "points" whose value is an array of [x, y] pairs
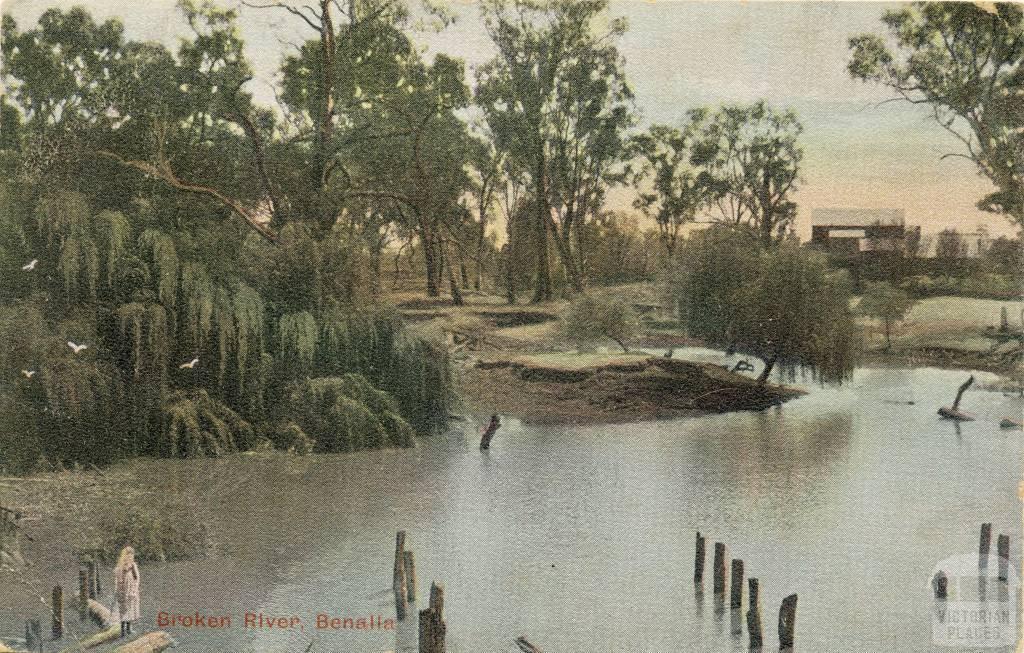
{"points": [[972, 244], [857, 232]]}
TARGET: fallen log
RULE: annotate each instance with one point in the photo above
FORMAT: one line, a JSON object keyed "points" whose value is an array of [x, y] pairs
{"points": [[953, 412], [94, 640], [148, 643], [525, 646], [99, 613], [4, 648]]}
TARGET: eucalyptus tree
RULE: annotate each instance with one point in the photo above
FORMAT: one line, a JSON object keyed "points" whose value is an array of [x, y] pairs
{"points": [[965, 62], [750, 158], [669, 188], [555, 97]]}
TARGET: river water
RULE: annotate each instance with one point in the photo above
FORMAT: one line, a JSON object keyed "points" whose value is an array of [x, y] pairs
{"points": [[582, 537]]}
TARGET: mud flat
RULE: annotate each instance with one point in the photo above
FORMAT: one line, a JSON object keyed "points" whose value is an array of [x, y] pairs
{"points": [[647, 388]]}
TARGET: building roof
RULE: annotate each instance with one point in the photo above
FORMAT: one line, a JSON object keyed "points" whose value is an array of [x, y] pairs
{"points": [[845, 217]]}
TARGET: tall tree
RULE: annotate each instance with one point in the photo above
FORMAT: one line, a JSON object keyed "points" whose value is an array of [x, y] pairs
{"points": [[556, 98], [750, 158], [966, 63], [676, 192]]}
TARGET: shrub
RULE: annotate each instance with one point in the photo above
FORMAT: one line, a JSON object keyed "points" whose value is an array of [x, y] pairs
{"points": [[589, 319]]}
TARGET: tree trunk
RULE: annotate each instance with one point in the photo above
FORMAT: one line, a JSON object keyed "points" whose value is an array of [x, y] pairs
{"points": [[452, 284], [430, 259], [769, 364], [542, 290], [888, 339]]}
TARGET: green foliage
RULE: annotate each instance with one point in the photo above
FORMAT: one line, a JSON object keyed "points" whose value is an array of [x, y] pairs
{"points": [[589, 319], [198, 425], [965, 61], [782, 304], [346, 413], [885, 302], [159, 532]]}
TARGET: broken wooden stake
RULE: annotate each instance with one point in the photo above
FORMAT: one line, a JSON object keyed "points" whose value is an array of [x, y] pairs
{"points": [[719, 568], [1003, 552], [432, 625], [410, 575], [736, 593], [984, 545], [399, 582], [940, 583], [754, 616], [787, 622], [57, 610], [90, 570], [83, 595], [698, 562]]}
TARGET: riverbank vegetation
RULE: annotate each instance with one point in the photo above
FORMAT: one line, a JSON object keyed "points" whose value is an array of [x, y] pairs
{"points": [[186, 271]]}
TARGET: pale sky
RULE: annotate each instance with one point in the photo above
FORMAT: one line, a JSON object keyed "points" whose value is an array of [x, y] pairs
{"points": [[858, 152]]}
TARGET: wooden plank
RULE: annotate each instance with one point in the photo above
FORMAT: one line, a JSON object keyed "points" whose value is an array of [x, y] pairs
{"points": [[148, 643], [94, 640]]}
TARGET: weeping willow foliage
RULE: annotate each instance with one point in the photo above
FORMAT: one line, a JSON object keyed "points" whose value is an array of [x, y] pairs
{"points": [[164, 257], [298, 337], [144, 326], [346, 413], [198, 425], [278, 343]]}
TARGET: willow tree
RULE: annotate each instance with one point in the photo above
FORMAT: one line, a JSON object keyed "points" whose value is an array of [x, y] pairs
{"points": [[781, 304]]}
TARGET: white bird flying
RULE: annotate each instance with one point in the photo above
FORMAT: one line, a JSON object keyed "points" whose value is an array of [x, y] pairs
{"points": [[31, 265], [77, 348], [189, 365], [28, 374]]}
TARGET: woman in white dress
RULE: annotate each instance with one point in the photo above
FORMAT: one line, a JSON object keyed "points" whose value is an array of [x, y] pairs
{"points": [[126, 590]]}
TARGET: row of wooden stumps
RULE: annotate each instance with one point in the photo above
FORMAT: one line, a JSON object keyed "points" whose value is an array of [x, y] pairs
{"points": [[721, 574], [432, 627], [940, 582], [89, 607]]}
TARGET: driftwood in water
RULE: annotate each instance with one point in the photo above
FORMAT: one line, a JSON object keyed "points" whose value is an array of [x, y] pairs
{"points": [[95, 640], [742, 366], [148, 643], [492, 428], [954, 412], [4, 648], [525, 646]]}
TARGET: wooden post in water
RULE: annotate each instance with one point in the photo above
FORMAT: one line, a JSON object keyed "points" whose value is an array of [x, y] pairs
{"points": [[432, 625], [719, 568], [984, 545], [698, 562], [787, 622], [90, 569], [57, 607], [940, 583], [30, 640], [83, 595], [96, 571], [754, 616], [1003, 551], [410, 575], [400, 583], [736, 593]]}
